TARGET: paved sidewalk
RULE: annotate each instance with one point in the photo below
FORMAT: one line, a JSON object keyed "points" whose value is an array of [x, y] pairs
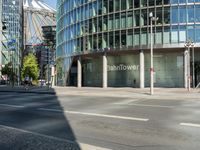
{"points": [[164, 93]]}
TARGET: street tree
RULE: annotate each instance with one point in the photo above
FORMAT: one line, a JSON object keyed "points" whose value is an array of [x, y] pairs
{"points": [[30, 67]]}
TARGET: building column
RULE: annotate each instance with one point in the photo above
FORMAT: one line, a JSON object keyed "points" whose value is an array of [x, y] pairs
{"points": [[105, 71], [185, 68], [79, 73], [141, 69]]}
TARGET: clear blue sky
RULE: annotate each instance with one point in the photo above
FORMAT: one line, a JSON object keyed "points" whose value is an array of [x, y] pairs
{"points": [[51, 3]]}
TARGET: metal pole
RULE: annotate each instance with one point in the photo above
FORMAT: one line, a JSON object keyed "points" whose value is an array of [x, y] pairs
{"points": [[151, 68], [193, 75], [48, 68], [188, 68]]}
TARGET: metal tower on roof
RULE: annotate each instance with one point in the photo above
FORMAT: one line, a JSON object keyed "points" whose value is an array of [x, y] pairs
{"points": [[36, 14]]}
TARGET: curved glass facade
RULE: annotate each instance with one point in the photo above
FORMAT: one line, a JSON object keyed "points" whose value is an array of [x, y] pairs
{"points": [[88, 26]]}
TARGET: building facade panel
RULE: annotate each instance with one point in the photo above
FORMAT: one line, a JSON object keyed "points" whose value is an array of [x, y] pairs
{"points": [[92, 27]]}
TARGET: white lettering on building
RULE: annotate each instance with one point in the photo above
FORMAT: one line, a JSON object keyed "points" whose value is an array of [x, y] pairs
{"points": [[122, 67]]}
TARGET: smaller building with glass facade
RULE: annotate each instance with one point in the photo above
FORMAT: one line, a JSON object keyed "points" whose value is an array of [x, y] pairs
{"points": [[11, 35], [107, 42]]}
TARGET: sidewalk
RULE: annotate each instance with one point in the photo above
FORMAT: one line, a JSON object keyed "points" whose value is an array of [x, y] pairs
{"points": [[161, 93], [21, 89]]}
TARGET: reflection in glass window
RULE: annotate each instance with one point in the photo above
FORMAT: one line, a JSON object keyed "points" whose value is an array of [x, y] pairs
{"points": [[117, 21], [130, 4], [143, 19], [182, 14], [197, 33], [130, 19], [158, 2], [123, 38], [105, 23], [117, 5], [197, 12], [166, 2], [110, 22], [143, 36], [123, 20], [129, 38], [151, 2], [174, 15], [117, 39], [137, 37], [174, 1], [104, 40], [111, 40], [158, 36], [105, 6], [166, 15], [111, 6], [159, 15], [182, 34], [182, 1], [123, 5], [136, 4], [190, 35], [143, 3], [174, 34], [191, 14], [137, 18]]}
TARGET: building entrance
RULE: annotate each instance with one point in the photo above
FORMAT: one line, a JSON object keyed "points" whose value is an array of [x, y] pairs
{"points": [[197, 73]]}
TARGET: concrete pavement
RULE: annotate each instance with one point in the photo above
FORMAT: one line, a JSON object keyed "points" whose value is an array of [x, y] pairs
{"points": [[164, 93]]}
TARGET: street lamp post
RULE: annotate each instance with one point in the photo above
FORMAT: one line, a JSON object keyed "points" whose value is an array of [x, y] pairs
{"points": [[188, 44], [193, 74], [151, 54]]}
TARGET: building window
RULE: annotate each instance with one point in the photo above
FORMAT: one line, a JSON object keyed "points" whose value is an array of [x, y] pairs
{"points": [[117, 5], [191, 14], [174, 34], [197, 12], [166, 15], [182, 34], [191, 33], [129, 38], [182, 14], [123, 20], [174, 15], [123, 4], [166, 35], [130, 19], [130, 4]]}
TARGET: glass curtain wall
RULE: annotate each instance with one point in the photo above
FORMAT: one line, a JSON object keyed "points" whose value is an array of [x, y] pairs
{"points": [[92, 26]]}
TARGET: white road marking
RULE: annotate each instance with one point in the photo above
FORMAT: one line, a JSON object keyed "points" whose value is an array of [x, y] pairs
{"points": [[143, 105], [124, 102], [82, 145], [97, 115], [14, 106], [190, 125]]}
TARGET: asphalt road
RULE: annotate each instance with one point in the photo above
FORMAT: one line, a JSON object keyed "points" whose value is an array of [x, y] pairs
{"points": [[42, 121]]}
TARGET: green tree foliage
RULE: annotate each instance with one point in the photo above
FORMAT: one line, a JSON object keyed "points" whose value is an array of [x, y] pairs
{"points": [[7, 69], [30, 67]]}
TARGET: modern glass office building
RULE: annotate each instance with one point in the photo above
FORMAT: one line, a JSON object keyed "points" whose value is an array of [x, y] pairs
{"points": [[11, 35], [107, 42]]}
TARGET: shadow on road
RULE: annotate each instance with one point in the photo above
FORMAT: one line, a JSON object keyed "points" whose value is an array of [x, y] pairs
{"points": [[28, 121]]}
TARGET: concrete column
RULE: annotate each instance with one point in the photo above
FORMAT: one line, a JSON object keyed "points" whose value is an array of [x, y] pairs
{"points": [[105, 71], [141, 69], [79, 73], [185, 68]]}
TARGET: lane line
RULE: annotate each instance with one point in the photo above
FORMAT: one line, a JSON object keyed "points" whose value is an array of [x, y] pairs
{"points": [[143, 105], [14, 106], [96, 115], [82, 145], [127, 102], [190, 125]]}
